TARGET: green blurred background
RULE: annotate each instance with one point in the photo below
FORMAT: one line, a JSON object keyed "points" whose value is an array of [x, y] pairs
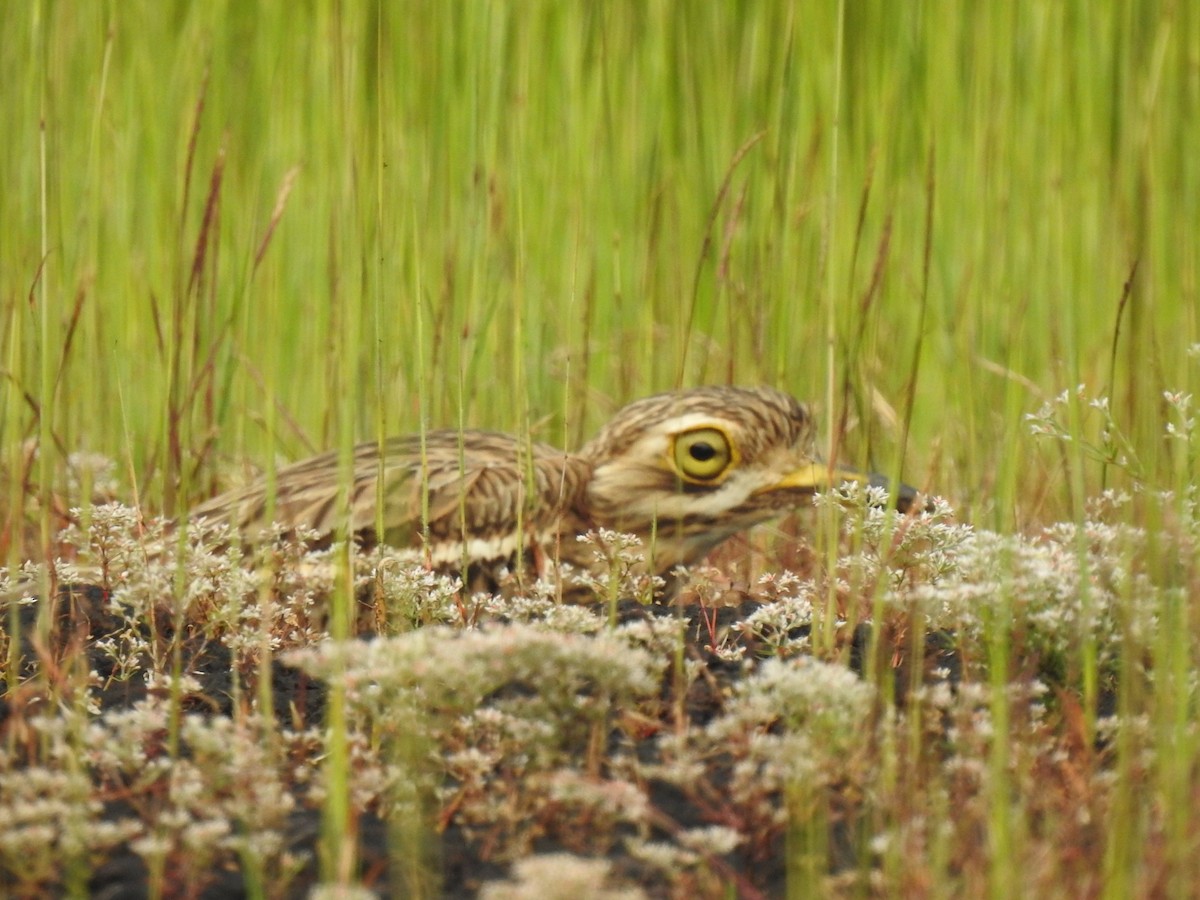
{"points": [[236, 231]]}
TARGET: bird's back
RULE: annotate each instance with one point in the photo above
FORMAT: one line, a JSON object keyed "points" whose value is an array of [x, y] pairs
{"points": [[456, 496]]}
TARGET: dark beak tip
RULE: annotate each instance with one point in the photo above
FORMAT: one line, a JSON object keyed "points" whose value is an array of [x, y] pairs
{"points": [[902, 496]]}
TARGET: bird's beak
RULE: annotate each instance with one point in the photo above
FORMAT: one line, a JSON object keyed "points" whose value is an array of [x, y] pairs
{"points": [[816, 476]]}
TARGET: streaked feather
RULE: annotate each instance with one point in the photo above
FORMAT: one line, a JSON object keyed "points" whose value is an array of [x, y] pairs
{"points": [[477, 483]]}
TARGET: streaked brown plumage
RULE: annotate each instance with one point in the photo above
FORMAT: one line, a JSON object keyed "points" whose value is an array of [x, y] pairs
{"points": [[682, 470]]}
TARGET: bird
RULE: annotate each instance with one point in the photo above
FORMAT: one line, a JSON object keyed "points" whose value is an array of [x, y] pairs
{"points": [[682, 471]]}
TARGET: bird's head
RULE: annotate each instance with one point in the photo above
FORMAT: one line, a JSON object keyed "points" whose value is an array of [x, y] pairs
{"points": [[694, 467]]}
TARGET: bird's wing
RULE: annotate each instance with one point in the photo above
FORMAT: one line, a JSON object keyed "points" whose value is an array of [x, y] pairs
{"points": [[471, 482]]}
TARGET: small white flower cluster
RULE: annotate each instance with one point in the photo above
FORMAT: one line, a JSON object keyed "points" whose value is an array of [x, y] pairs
{"points": [[450, 671], [49, 815], [1074, 417], [20, 588], [92, 475], [622, 559], [559, 876], [783, 625], [114, 548], [546, 612], [333, 891], [790, 722], [824, 699], [1070, 586], [607, 802], [220, 797], [890, 545], [408, 595], [1180, 404], [690, 849], [489, 719]]}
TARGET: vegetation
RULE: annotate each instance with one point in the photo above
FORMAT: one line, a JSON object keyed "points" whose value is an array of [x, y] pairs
{"points": [[236, 234]]}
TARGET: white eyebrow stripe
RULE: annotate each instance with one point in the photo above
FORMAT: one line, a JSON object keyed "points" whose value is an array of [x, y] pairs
{"points": [[688, 421]]}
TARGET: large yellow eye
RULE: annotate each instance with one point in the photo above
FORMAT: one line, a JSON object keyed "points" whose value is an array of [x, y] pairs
{"points": [[702, 454]]}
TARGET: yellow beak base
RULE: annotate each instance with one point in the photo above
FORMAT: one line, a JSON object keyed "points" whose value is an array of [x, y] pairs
{"points": [[815, 476]]}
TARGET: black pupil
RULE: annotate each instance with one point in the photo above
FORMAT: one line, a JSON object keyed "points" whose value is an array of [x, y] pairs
{"points": [[702, 451]]}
